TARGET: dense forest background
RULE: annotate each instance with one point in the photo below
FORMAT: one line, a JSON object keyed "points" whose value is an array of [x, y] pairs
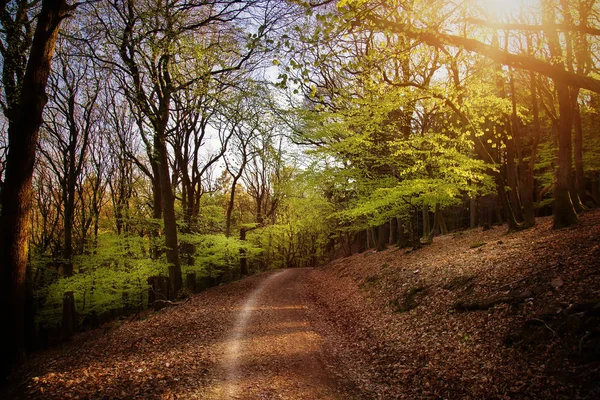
{"points": [[201, 141]]}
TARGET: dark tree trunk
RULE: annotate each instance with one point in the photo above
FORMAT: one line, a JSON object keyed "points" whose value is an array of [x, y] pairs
{"points": [[69, 196], [511, 177], [436, 224], [73, 167], [426, 223], [172, 249], [358, 243], [159, 290], [190, 282], [505, 204], [519, 172], [157, 206], [527, 187], [231, 203], [577, 204], [442, 224], [510, 197], [68, 326], [236, 176], [564, 213], [16, 194], [578, 151], [383, 236], [402, 235], [68, 244], [596, 188], [156, 193], [472, 213], [563, 210], [31, 336], [394, 231], [577, 54]]}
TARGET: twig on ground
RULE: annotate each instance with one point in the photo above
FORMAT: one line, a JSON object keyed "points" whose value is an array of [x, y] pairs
{"points": [[546, 325]]}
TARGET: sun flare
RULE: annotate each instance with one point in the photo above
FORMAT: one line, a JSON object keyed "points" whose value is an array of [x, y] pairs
{"points": [[500, 8]]}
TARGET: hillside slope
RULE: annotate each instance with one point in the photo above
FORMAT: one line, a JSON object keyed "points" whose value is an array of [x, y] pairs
{"points": [[477, 314]]}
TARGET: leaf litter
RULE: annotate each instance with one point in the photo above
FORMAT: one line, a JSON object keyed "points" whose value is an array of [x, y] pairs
{"points": [[516, 317]]}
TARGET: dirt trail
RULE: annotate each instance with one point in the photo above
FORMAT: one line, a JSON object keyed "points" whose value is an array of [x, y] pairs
{"points": [[273, 352], [250, 339]]}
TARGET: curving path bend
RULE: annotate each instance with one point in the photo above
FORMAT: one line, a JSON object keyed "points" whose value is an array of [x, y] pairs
{"points": [[273, 352]]}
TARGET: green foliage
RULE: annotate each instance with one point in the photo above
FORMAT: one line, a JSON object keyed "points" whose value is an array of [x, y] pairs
{"points": [[544, 171], [390, 173], [590, 116], [112, 278], [211, 217], [213, 254], [304, 229]]}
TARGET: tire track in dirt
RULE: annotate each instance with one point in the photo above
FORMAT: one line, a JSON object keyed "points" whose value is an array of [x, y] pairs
{"points": [[273, 352], [232, 359]]}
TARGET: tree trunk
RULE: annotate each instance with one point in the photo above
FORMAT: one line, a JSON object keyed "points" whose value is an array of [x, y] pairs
{"points": [[505, 204], [69, 318], [157, 209], [563, 210], [442, 224], [402, 235], [472, 213], [426, 223], [168, 206], [564, 213], [230, 205], [16, 195], [596, 188], [358, 243], [69, 198], [578, 151], [511, 177], [159, 290], [519, 173], [190, 282], [577, 204], [394, 231], [383, 236], [68, 231], [527, 189], [436, 224]]}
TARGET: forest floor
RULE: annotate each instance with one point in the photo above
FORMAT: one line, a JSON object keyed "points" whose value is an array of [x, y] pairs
{"points": [[251, 339], [475, 315]]}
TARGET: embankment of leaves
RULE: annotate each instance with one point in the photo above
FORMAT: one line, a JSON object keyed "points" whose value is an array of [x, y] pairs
{"points": [[478, 314]]}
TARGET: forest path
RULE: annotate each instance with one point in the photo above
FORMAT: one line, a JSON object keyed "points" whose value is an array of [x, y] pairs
{"points": [[321, 333], [262, 337], [272, 350]]}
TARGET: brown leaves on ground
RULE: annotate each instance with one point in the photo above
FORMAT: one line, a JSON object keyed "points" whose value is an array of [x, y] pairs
{"points": [[476, 315], [515, 316], [170, 355]]}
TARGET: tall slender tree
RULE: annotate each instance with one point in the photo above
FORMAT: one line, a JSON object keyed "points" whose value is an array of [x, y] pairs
{"points": [[24, 101]]}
